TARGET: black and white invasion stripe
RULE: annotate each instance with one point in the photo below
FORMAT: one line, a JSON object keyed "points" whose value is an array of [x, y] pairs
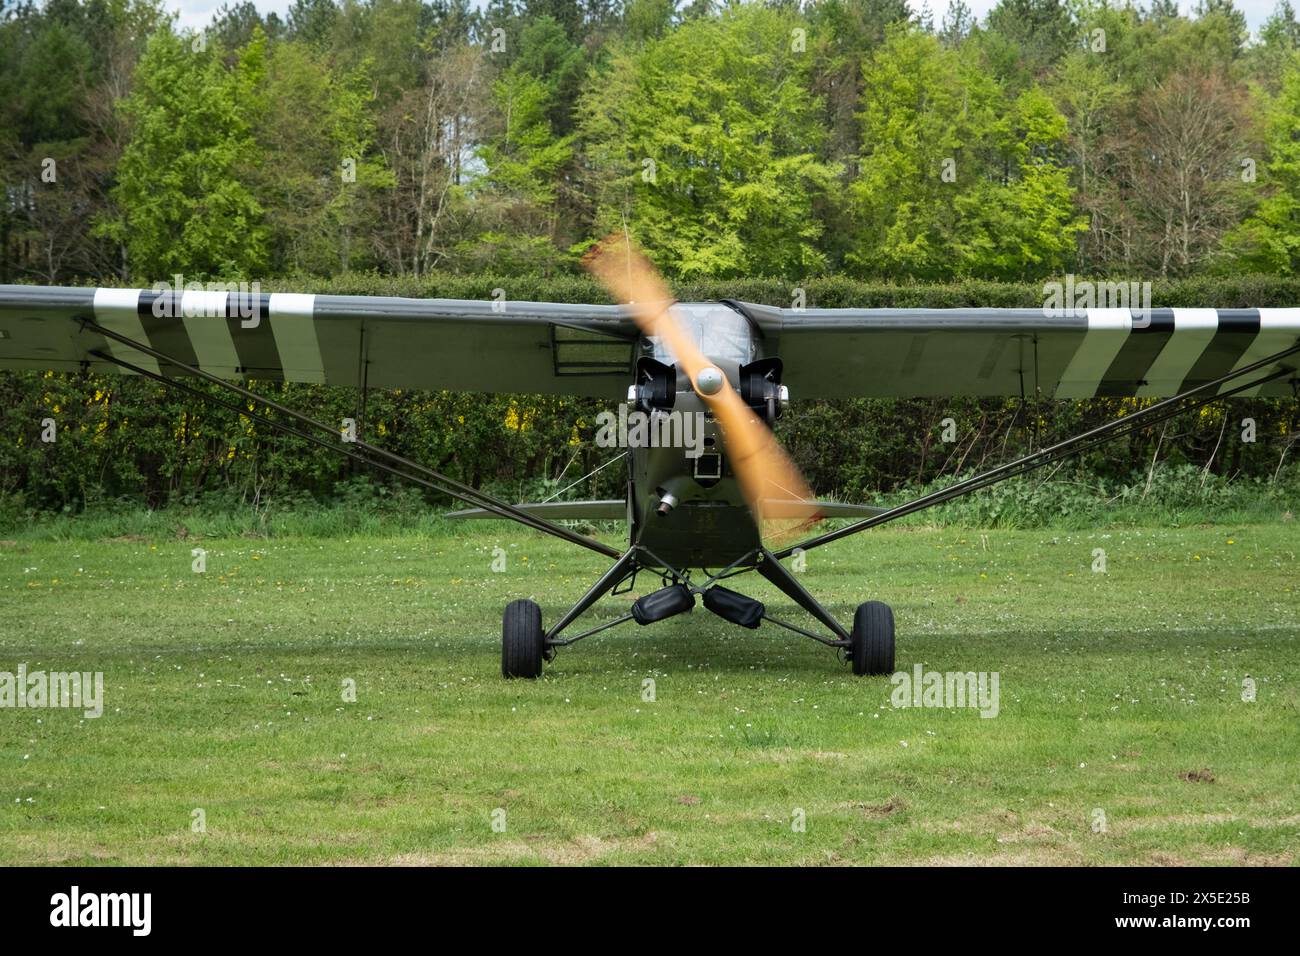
{"points": [[230, 334], [1166, 351]]}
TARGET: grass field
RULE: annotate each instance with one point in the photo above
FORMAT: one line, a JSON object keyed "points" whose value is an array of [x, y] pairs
{"points": [[1120, 692]]}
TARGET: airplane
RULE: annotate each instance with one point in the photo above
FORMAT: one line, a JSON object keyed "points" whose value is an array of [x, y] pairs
{"points": [[696, 518]]}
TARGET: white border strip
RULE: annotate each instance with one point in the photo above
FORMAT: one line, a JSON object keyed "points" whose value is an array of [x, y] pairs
{"points": [[204, 315], [1194, 329], [1108, 330], [115, 309], [294, 327]]}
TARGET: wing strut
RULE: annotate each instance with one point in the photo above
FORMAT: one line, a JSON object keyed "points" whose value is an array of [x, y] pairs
{"points": [[360, 451], [1167, 408]]}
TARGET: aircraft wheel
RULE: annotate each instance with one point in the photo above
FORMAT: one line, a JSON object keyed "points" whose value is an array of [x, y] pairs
{"points": [[522, 640], [872, 639]]}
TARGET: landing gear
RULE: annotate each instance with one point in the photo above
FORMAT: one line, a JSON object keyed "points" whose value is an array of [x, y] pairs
{"points": [[871, 643], [525, 646], [522, 641]]}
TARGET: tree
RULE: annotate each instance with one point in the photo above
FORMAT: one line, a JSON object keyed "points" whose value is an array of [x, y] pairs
{"points": [[958, 177], [1279, 38], [1232, 20], [528, 154], [703, 145], [1281, 28], [233, 27], [567, 14], [841, 33], [1039, 32], [43, 141], [391, 44], [957, 23], [312, 21], [1269, 240], [321, 176], [1163, 11], [184, 201], [1188, 138], [1093, 104], [427, 137], [66, 65], [645, 20]]}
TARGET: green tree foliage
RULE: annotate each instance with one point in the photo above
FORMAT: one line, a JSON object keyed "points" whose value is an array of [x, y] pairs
{"points": [[704, 145], [234, 25], [958, 175], [733, 138], [1279, 39], [1092, 103], [645, 20], [1025, 38], [64, 65], [321, 175], [527, 153], [840, 34], [312, 21], [1269, 240], [184, 192], [1230, 21]]}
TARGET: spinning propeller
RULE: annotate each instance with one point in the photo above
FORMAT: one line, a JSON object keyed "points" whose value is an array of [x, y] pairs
{"points": [[773, 487]]}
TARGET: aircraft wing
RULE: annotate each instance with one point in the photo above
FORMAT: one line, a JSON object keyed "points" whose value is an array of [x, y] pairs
{"points": [[551, 348], [846, 353], [386, 342]]}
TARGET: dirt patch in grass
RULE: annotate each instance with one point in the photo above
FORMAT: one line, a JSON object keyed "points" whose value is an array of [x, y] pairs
{"points": [[880, 810]]}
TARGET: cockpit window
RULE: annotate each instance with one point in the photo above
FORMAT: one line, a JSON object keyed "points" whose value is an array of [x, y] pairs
{"points": [[720, 332]]}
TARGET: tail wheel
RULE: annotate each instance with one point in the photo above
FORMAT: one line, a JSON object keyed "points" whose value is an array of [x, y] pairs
{"points": [[872, 640], [523, 642]]}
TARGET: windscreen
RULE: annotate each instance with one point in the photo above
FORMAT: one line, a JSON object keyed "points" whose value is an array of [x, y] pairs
{"points": [[721, 333]]}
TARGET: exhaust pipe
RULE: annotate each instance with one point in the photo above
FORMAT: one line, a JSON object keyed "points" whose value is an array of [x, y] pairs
{"points": [[669, 494]]}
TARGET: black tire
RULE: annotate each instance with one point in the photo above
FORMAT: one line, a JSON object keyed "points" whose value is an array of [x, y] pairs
{"points": [[872, 639], [522, 640]]}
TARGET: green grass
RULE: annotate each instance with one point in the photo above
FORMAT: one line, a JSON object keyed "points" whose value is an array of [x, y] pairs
{"points": [[223, 692]]}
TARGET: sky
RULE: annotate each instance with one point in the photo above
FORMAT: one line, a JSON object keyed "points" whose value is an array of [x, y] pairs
{"points": [[198, 13]]}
